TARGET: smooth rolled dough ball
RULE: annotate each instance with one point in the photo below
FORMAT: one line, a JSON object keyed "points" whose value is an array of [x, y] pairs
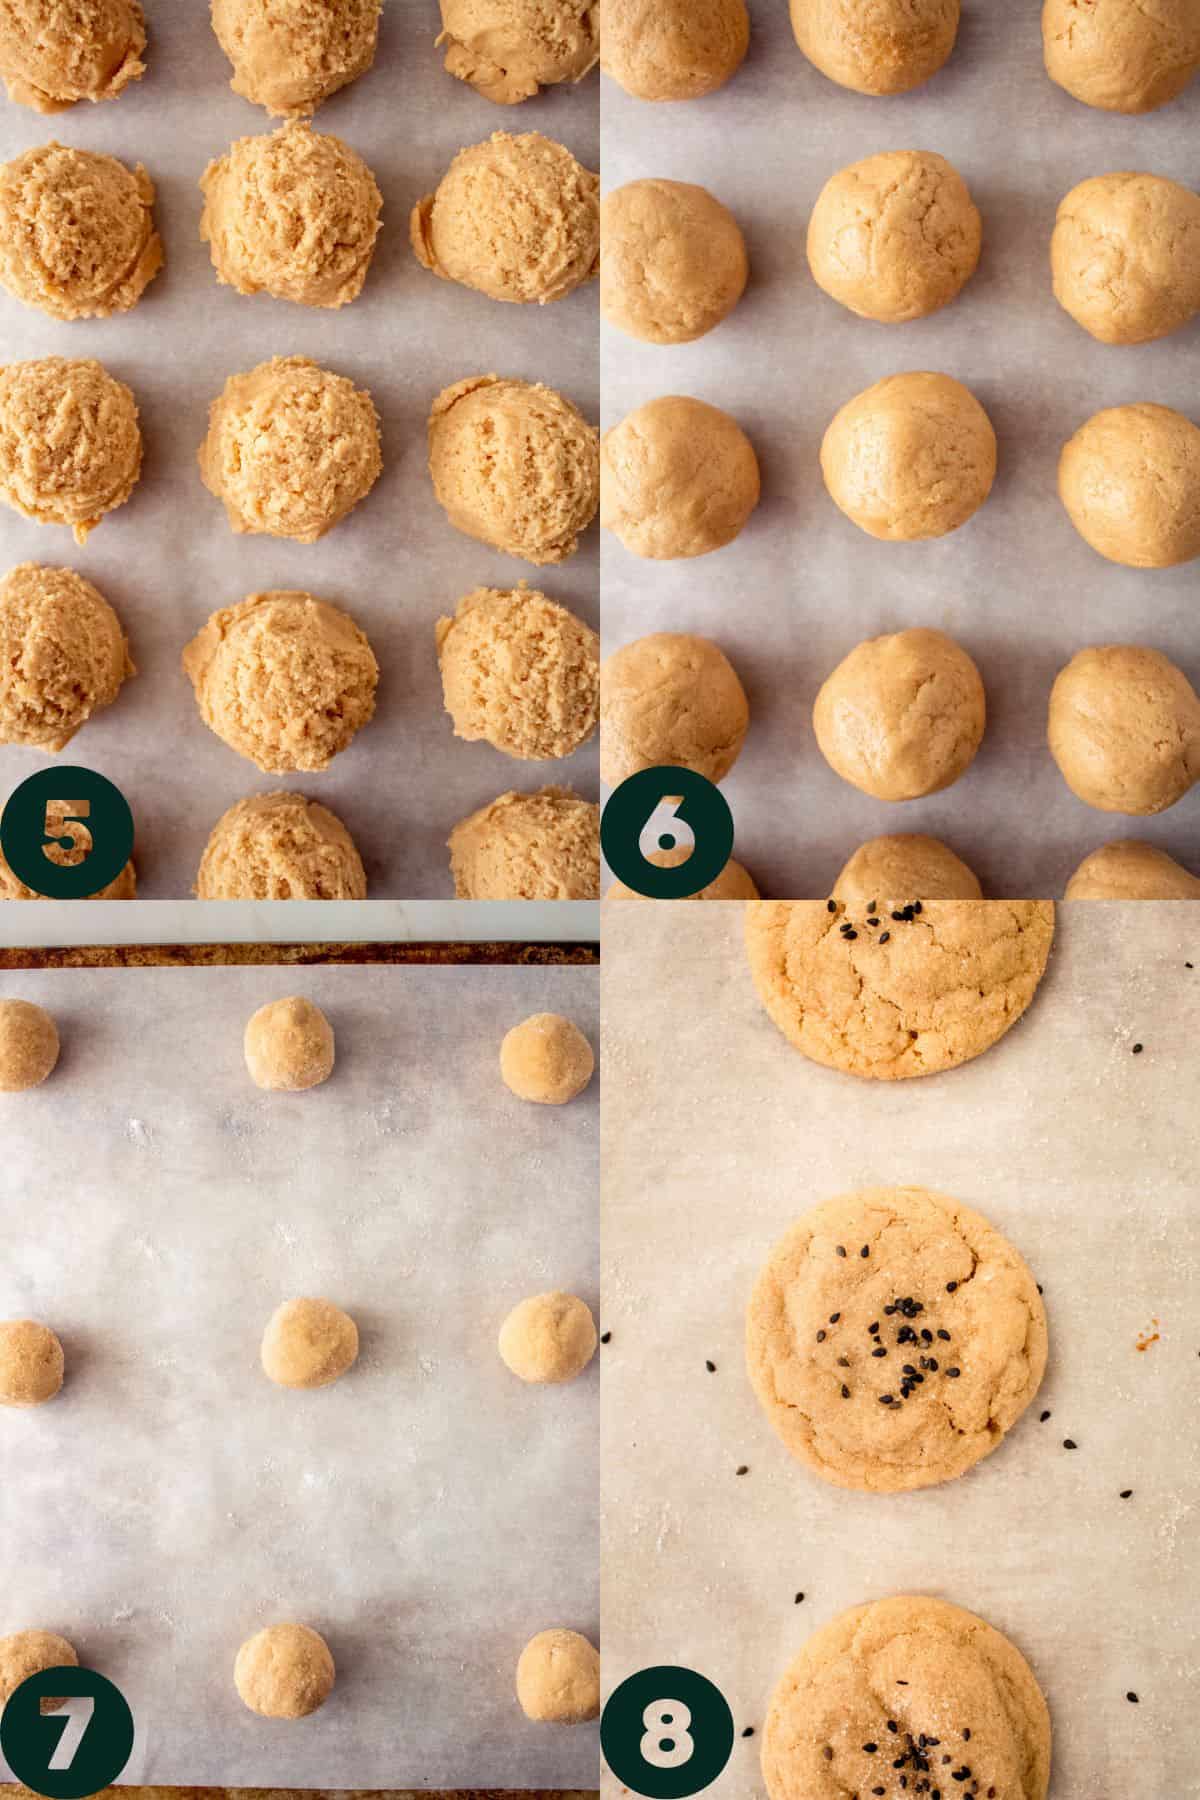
{"points": [[31, 1363], [546, 1059], [123, 886], [888, 47], [284, 679], [1124, 729], [52, 54], [1131, 870], [28, 1653], [902, 715], [289, 1045], [290, 55], [912, 457], [63, 655], [70, 446], [549, 1338], [543, 846], [733, 883], [309, 1343], [508, 49], [514, 465], [558, 1678], [896, 236], [891, 872], [1122, 55], [77, 234], [677, 478], [520, 673], [516, 218], [284, 1672], [673, 49], [280, 847], [1125, 257], [674, 261], [28, 1045], [670, 699], [1130, 481], [294, 214]]}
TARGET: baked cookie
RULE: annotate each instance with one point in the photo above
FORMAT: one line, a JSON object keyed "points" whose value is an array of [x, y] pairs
{"points": [[1125, 257], [1130, 482], [1121, 55], [670, 699], [733, 883], [53, 54], [912, 457], [889, 47], [1130, 870], [673, 49], [70, 444], [508, 49], [1124, 729], [280, 847], [63, 656], [678, 478], [520, 673], [543, 846], [289, 55], [892, 872], [77, 232], [674, 261]]}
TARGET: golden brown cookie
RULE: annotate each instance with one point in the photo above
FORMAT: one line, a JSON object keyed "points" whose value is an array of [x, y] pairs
{"points": [[280, 847], [520, 673], [70, 444], [673, 49], [1130, 870], [508, 49], [674, 261], [290, 55], [77, 232], [1124, 729], [54, 53], [542, 846]]}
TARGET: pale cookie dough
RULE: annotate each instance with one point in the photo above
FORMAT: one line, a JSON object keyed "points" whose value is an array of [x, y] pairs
{"points": [[290, 55], [63, 655], [1130, 870], [56, 52], [548, 1338], [308, 1344], [912, 457], [280, 847], [558, 1678], [677, 478], [28, 1045], [508, 49], [1124, 729], [674, 261], [294, 214], [673, 49], [887, 873], [516, 218], [288, 1045], [31, 1363], [543, 846], [670, 699], [284, 679], [1125, 257], [27, 1653], [896, 236], [122, 887], [77, 233], [520, 673], [1121, 55], [733, 883], [284, 1672], [952, 977], [907, 1689], [888, 47], [1130, 482], [514, 465], [546, 1059], [70, 446], [902, 715], [924, 1279]]}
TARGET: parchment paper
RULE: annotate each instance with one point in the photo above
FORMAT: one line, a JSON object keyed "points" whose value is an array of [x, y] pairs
{"points": [[168, 559], [801, 586], [718, 1135], [429, 1513]]}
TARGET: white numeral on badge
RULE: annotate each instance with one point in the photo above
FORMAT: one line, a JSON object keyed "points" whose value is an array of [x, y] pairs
{"points": [[665, 822], [80, 1709], [667, 1743]]}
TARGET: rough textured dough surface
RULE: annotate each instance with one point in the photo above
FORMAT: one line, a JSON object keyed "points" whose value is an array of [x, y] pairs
{"points": [[70, 445], [549, 1338], [520, 672], [1131, 870], [508, 49], [1125, 257], [280, 847], [670, 698], [122, 887], [542, 846], [1124, 729], [558, 1678], [896, 236], [284, 1672], [290, 55], [1130, 482], [31, 1363], [886, 47], [931, 1671], [516, 218], [63, 655], [1122, 55], [947, 984], [733, 883], [288, 1045], [308, 1344], [674, 261], [673, 49], [77, 233], [892, 872], [294, 214], [27, 1653], [912, 457], [56, 52], [677, 478], [28, 1045], [546, 1059], [514, 465]]}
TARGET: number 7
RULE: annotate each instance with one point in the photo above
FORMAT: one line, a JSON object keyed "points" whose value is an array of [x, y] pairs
{"points": [[79, 1712]]}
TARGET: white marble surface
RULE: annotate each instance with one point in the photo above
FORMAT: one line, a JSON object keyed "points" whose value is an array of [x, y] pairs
{"points": [[55, 923]]}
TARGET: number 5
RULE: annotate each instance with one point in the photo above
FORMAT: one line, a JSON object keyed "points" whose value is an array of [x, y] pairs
{"points": [[67, 831]]}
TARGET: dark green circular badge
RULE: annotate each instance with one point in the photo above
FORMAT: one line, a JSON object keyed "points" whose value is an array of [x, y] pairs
{"points": [[78, 814], [76, 1750], [661, 809], [666, 1733]]}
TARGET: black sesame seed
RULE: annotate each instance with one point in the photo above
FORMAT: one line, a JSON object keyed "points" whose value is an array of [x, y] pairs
{"points": [[892, 1725], [749, 1731], [1138, 1048], [845, 1392], [1045, 1416], [828, 1754], [1070, 1444], [1132, 1699], [744, 1469], [821, 1336], [798, 1599], [711, 1367], [916, 906], [954, 1374], [843, 1362], [831, 906], [874, 908], [898, 916], [885, 937], [870, 1749], [872, 923], [606, 1337], [886, 1400], [880, 1352], [952, 1287], [849, 935], [841, 1249], [1126, 1494], [966, 1737], [865, 1251], [834, 1317]]}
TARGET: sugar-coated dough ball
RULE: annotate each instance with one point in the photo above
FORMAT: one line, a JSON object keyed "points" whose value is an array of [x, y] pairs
{"points": [[123, 886], [677, 478], [517, 218], [673, 49], [896, 236], [1131, 870], [515, 465], [543, 846], [558, 1678], [546, 1059], [70, 446], [891, 872], [1122, 55], [31, 1363], [27, 1653], [309, 1344], [28, 1045], [508, 49], [284, 1672], [733, 883], [548, 1338], [1125, 257], [55, 52], [1125, 729], [289, 1047], [912, 457], [77, 233], [674, 261], [520, 672], [280, 847], [63, 655], [284, 679], [294, 214], [670, 698], [887, 47], [1130, 481], [902, 715], [290, 55]]}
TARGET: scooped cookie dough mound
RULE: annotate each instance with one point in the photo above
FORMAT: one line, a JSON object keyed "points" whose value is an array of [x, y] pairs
{"points": [[543, 846], [290, 55], [1130, 870], [546, 1059], [77, 235], [1130, 482], [508, 49], [294, 214], [288, 1046], [280, 847], [892, 872], [677, 478], [895, 237], [912, 457], [122, 887], [516, 218], [889, 47], [27, 1653], [673, 49], [558, 1678], [733, 883], [674, 261], [514, 465], [63, 655], [1121, 55], [910, 996], [284, 1672], [1124, 729], [56, 52], [1125, 257], [670, 699], [70, 446], [520, 673], [548, 1338], [31, 1363], [913, 1689], [309, 1344], [28, 1046]]}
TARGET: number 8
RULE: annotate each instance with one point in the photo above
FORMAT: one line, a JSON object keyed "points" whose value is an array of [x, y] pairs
{"points": [[667, 1743]]}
